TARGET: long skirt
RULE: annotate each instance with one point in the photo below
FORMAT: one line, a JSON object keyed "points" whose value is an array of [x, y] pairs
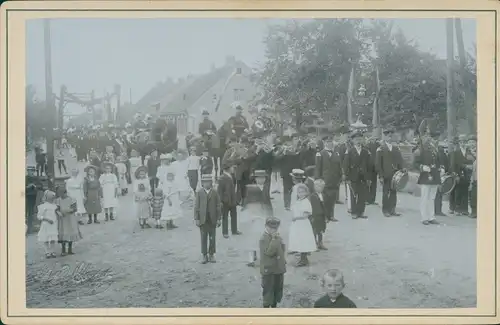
{"points": [[68, 228], [301, 237]]}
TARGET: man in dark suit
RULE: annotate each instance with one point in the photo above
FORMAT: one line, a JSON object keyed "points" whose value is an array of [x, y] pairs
{"points": [[388, 161], [329, 169], [227, 194], [287, 159], [461, 167], [356, 164], [207, 215], [372, 145], [438, 201], [342, 145]]}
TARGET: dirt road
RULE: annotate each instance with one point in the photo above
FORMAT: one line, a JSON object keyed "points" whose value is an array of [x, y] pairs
{"points": [[387, 262]]}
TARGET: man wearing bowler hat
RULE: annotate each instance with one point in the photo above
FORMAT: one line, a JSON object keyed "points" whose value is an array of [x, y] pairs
{"points": [[356, 164], [388, 160]]}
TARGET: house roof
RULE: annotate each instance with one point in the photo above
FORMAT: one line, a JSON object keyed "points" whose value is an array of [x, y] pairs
{"points": [[181, 98]]}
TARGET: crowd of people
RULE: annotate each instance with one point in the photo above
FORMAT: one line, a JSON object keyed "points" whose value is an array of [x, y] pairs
{"points": [[251, 158]]}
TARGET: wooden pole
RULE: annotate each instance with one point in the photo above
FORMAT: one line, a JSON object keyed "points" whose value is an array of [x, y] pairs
{"points": [[468, 100], [60, 120], [49, 100], [450, 109]]}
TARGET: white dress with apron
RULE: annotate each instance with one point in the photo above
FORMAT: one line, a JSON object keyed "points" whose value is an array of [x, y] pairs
{"points": [[109, 184], [174, 211], [301, 237], [74, 186]]}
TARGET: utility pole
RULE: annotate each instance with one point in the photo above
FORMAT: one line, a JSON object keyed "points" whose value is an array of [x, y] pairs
{"points": [[118, 91], [49, 99], [468, 100], [92, 107], [60, 120], [450, 109]]}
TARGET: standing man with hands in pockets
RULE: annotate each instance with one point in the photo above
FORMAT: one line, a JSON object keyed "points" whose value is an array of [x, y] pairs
{"points": [[207, 215]]}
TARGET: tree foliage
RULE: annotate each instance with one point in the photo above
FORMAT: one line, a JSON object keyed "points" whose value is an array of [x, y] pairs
{"points": [[309, 63]]}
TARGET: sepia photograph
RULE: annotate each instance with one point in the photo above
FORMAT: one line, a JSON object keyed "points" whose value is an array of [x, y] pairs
{"points": [[235, 162], [326, 163]]}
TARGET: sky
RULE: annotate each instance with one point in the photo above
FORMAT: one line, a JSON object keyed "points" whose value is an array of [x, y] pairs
{"points": [[137, 53]]}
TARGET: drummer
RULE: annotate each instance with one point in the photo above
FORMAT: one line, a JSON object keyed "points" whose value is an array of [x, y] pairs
{"points": [[238, 122], [388, 161], [206, 125]]}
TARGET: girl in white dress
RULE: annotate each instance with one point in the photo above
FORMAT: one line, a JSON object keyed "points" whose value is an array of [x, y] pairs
{"points": [[301, 237], [142, 196], [180, 167], [109, 185], [121, 168], [48, 233], [164, 168], [135, 162], [74, 187], [172, 206], [298, 177]]}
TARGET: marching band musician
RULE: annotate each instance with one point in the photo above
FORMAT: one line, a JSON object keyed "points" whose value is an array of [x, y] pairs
{"points": [[329, 169], [431, 169], [266, 120], [372, 145], [343, 145], [356, 174], [238, 122], [461, 167], [388, 161], [227, 194]]}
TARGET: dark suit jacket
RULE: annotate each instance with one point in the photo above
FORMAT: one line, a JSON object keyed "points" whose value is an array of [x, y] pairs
{"points": [[356, 165], [207, 206], [226, 190], [459, 162], [261, 198], [388, 161], [372, 147], [318, 209], [428, 157], [272, 255], [329, 168]]}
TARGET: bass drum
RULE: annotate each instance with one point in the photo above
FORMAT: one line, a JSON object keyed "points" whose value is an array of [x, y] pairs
{"points": [[447, 184], [399, 180]]}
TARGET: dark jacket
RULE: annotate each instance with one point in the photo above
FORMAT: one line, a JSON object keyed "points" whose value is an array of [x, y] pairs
{"points": [[356, 165], [226, 190], [427, 156], [272, 255], [388, 161], [207, 207], [329, 167], [319, 216], [152, 166]]}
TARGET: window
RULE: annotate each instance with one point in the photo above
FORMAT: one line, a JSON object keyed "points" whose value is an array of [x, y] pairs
{"points": [[237, 93], [214, 98], [238, 70]]}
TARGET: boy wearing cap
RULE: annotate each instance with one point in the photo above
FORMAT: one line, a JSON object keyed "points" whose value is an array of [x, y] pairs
{"points": [[329, 169], [356, 174], [388, 161], [207, 215], [273, 264], [227, 194]]}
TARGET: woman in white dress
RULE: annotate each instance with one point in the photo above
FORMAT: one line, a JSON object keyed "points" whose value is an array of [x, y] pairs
{"points": [[48, 233], [135, 162], [74, 187], [172, 206], [301, 237], [110, 186]]}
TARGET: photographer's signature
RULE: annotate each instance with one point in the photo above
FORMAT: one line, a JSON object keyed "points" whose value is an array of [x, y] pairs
{"points": [[81, 279]]}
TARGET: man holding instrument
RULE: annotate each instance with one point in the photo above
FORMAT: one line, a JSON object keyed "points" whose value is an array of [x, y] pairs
{"points": [[388, 161]]}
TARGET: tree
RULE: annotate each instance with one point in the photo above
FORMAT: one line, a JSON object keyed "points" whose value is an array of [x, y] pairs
{"points": [[308, 64]]}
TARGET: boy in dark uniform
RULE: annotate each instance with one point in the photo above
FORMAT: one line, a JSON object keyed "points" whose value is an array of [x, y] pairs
{"points": [[33, 186], [388, 161], [273, 264], [207, 216], [356, 174], [333, 284], [310, 170], [319, 216]]}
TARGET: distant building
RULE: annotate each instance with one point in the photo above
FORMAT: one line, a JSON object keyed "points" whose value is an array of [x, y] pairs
{"points": [[182, 101]]}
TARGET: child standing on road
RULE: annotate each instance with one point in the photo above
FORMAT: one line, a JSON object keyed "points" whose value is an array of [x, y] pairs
{"points": [[333, 284], [171, 192], [318, 217], [193, 168], [301, 236], [69, 231], [48, 233], [157, 203], [273, 264], [109, 184], [122, 174], [142, 195], [61, 159]]}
